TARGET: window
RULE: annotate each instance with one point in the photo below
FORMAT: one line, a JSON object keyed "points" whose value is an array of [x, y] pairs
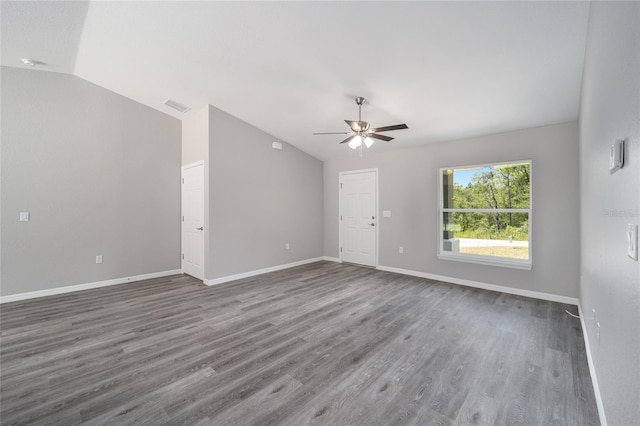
{"points": [[485, 214]]}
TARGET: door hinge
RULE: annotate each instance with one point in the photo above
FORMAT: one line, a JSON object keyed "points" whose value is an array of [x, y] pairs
{"points": [[340, 217], [340, 249], [182, 180], [340, 185], [183, 218], [182, 256]]}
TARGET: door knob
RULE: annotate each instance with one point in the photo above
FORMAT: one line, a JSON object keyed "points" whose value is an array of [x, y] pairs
{"points": [[200, 229]]}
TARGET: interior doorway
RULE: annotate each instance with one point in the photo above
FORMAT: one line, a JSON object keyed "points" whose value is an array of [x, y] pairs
{"points": [[193, 219]]}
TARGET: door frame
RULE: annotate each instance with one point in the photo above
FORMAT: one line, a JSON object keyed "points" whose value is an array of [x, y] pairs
{"points": [[353, 172], [204, 206]]}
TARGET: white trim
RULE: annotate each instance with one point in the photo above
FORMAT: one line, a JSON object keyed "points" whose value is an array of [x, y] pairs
{"points": [[477, 284], [351, 172], [482, 165], [592, 369], [458, 210], [331, 259], [86, 286], [503, 262], [221, 280]]}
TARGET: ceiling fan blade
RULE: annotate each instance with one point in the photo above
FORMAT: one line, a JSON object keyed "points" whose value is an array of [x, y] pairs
{"points": [[381, 137], [347, 139], [389, 128], [358, 126], [332, 133]]}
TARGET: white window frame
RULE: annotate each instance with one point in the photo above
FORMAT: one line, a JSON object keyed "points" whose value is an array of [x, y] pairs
{"points": [[504, 262]]}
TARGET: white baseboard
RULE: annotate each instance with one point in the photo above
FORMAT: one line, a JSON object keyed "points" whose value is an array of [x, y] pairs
{"points": [[331, 259], [592, 369], [86, 286], [221, 280], [477, 284]]}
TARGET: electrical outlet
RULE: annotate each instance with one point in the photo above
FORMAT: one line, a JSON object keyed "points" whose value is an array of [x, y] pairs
{"points": [[401, 250], [98, 259]]}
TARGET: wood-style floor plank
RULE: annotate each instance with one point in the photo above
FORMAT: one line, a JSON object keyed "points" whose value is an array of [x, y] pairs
{"points": [[324, 343]]}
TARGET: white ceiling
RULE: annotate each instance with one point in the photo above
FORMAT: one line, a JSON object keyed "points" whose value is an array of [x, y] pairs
{"points": [[447, 69]]}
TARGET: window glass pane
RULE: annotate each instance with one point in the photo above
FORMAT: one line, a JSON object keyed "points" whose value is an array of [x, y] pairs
{"points": [[491, 187], [488, 234]]}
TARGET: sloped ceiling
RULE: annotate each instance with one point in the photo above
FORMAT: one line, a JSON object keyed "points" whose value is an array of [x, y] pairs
{"points": [[447, 69]]}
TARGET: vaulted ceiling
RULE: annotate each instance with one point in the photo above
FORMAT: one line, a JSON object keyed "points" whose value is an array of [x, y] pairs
{"points": [[448, 69]]}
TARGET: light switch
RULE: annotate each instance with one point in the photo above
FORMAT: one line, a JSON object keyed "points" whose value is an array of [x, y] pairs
{"points": [[386, 213], [616, 156], [632, 241], [24, 216]]}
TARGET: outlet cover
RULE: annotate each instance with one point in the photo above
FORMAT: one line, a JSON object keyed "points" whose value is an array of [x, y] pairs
{"points": [[98, 259]]}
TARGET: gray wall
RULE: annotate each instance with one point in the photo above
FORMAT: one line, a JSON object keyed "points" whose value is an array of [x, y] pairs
{"points": [[610, 109], [408, 186], [195, 137], [260, 199], [99, 174]]}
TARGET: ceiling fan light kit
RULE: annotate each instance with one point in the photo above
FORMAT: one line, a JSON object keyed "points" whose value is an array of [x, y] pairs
{"points": [[357, 141], [361, 131]]}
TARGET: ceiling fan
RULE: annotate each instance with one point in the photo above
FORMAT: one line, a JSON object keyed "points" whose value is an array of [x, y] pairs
{"points": [[362, 132]]}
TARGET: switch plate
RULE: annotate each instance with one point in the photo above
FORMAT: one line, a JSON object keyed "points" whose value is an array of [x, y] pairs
{"points": [[24, 216], [286, 246], [401, 250], [632, 241], [98, 259], [386, 213], [616, 156]]}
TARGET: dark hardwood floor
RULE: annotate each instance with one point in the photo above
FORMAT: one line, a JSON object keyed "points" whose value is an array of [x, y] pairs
{"points": [[324, 343]]}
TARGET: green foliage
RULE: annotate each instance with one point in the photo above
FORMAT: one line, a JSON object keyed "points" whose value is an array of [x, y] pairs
{"points": [[516, 234], [498, 187]]}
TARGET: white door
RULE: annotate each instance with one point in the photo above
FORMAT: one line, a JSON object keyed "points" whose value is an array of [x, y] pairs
{"points": [[358, 221], [193, 220]]}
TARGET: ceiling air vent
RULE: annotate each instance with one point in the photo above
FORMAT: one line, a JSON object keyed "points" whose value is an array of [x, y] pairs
{"points": [[176, 105]]}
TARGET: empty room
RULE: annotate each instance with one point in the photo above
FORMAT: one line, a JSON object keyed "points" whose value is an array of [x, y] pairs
{"points": [[328, 213]]}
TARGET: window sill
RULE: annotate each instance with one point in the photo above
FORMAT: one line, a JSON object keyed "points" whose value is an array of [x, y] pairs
{"points": [[487, 260]]}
